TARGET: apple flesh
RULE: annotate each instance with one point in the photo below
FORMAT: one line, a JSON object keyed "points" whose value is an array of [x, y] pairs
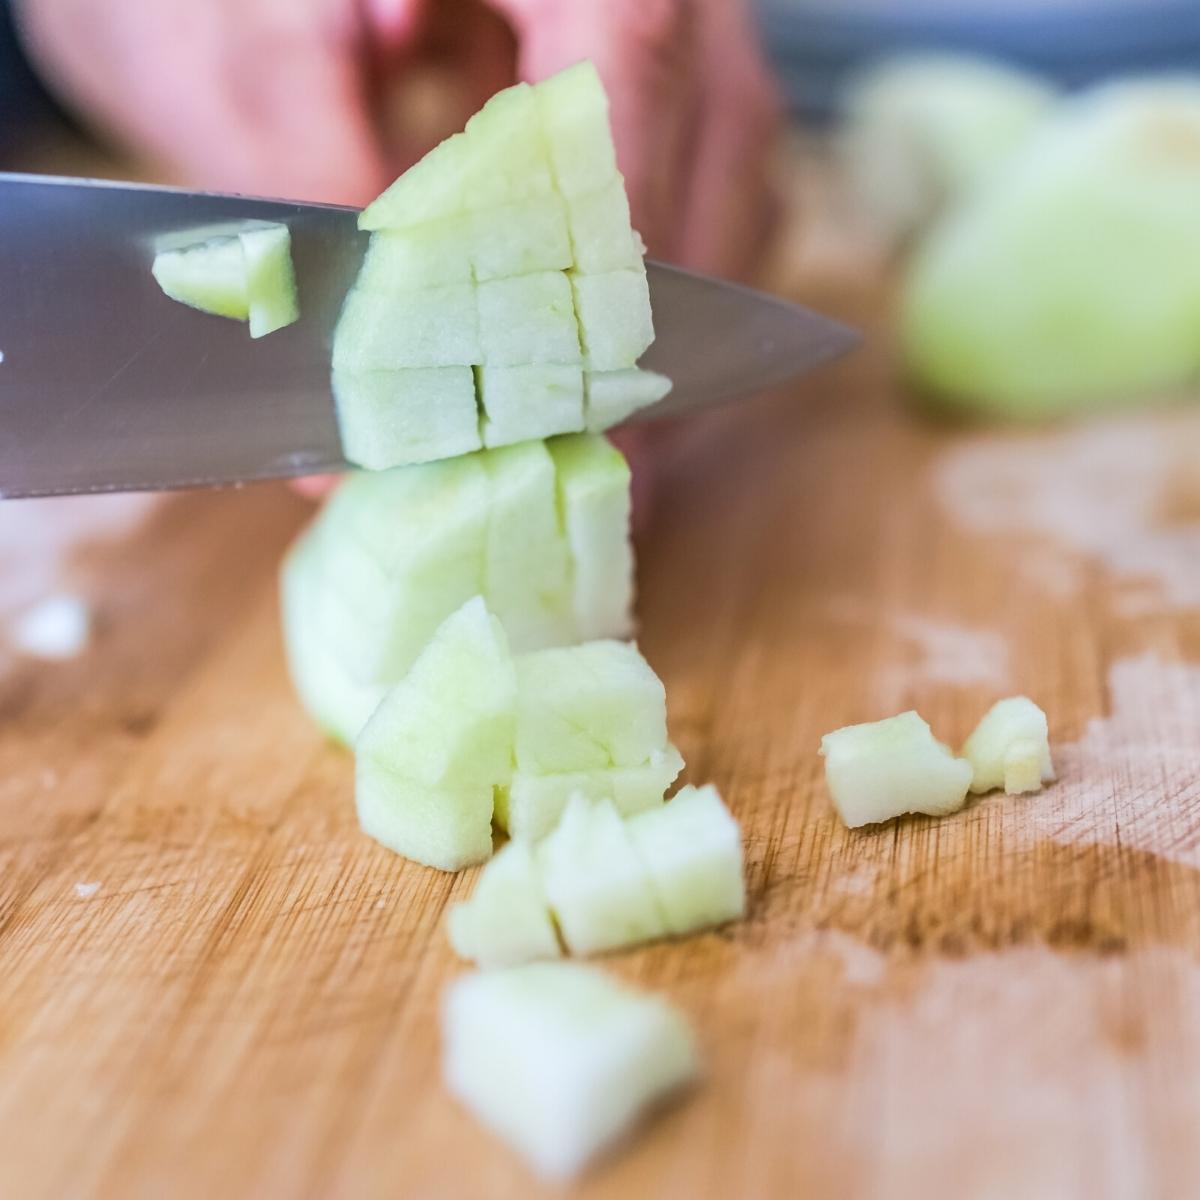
{"points": [[884, 769], [1010, 748], [559, 1060]]}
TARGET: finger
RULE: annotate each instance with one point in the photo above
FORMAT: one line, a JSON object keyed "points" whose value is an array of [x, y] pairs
{"points": [[395, 25], [733, 205]]}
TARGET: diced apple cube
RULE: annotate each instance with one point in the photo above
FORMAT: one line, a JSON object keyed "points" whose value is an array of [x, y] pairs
{"points": [[436, 254], [602, 237], [594, 498], [537, 400], [507, 919], [1010, 748], [521, 239], [531, 805], [588, 707], [573, 109], [338, 705], [597, 886], [615, 323], [209, 276], [430, 327], [883, 769], [527, 319], [589, 1055], [692, 849], [270, 278], [449, 722], [397, 418], [527, 570], [438, 186], [611, 396]]}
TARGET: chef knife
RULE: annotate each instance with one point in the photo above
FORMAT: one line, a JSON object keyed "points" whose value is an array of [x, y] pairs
{"points": [[107, 385]]}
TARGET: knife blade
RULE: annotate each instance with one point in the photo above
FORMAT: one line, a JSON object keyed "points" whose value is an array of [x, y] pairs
{"points": [[107, 385]]}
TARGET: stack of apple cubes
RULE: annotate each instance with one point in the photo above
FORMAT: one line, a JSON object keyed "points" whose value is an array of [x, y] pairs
{"points": [[503, 296]]}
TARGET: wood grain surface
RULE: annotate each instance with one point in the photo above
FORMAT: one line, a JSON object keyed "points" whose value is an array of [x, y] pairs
{"points": [[1000, 1003]]}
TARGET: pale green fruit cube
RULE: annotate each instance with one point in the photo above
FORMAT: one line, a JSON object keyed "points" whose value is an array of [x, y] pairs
{"points": [[436, 254], [559, 1060], [611, 396], [521, 239], [883, 769], [615, 323], [598, 888], [447, 828], [209, 276], [588, 707], [536, 400], [602, 236], [449, 722], [436, 187], [528, 319], [1010, 748], [527, 568], [395, 418], [692, 848], [1072, 279], [430, 327], [573, 109], [507, 919], [339, 705], [594, 498], [270, 278], [531, 805]]}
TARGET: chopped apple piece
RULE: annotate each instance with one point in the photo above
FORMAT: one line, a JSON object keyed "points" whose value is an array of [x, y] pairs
{"points": [[887, 768], [507, 919], [1010, 748], [209, 276], [532, 401], [521, 239], [602, 237], [597, 886], [412, 416], [587, 708], [594, 497], [437, 254], [573, 109], [692, 849], [532, 805], [528, 319], [611, 396], [615, 323], [430, 757], [589, 1056], [430, 327], [270, 279]]}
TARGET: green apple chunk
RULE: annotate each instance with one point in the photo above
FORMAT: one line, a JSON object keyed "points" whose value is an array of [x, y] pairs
{"points": [[440, 742], [923, 129], [437, 254], [430, 327], [500, 158], [598, 888], [537, 400], [573, 110], [1010, 748], [1073, 279], [589, 1056], [521, 239], [611, 396], [527, 566], [210, 276], [337, 703], [588, 707], [602, 237], [594, 498], [531, 805], [507, 919], [270, 279], [615, 324], [527, 319], [887, 768], [398, 418], [692, 849]]}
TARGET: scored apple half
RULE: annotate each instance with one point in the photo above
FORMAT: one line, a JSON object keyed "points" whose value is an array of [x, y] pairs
{"points": [[503, 296]]}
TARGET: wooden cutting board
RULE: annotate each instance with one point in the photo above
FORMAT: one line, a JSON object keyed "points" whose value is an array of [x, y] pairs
{"points": [[212, 985]]}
